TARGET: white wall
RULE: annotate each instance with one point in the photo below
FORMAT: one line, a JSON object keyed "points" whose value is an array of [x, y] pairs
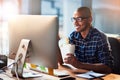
{"points": [[69, 6]]}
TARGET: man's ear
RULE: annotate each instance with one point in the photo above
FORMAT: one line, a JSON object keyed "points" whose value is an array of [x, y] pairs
{"points": [[90, 19]]}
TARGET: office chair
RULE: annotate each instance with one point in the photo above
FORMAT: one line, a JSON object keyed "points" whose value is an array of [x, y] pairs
{"points": [[115, 46]]}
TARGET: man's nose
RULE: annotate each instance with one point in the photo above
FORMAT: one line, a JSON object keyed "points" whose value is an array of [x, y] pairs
{"points": [[76, 22]]}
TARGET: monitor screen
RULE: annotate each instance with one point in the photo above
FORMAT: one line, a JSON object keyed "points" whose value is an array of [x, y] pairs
{"points": [[42, 31]]}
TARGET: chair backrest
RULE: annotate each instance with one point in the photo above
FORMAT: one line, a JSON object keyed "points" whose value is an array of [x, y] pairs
{"points": [[115, 46]]}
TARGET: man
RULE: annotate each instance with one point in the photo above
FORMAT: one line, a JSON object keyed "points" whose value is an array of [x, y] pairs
{"points": [[92, 50]]}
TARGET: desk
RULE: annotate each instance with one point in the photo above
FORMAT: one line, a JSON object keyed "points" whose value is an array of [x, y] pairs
{"points": [[107, 77], [48, 77], [8, 75]]}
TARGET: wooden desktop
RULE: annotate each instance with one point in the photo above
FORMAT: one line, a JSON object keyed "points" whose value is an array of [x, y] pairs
{"points": [[8, 76]]}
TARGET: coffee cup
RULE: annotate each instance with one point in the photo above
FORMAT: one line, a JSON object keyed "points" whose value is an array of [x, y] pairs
{"points": [[68, 48]]}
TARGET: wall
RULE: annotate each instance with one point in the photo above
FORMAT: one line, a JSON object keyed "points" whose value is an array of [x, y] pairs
{"points": [[69, 6], [107, 15], [31, 7]]}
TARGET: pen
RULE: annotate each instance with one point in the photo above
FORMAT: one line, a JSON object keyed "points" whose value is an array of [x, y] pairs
{"points": [[96, 77]]}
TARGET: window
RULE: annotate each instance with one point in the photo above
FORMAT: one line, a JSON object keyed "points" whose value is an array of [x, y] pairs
{"points": [[53, 7], [8, 8]]}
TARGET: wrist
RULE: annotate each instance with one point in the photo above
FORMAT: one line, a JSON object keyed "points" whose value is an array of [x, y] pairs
{"points": [[78, 64]]}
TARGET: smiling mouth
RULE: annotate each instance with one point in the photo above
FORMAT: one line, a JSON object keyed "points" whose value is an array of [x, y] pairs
{"points": [[77, 27]]}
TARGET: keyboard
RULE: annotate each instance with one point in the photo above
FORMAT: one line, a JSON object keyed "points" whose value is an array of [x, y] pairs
{"points": [[61, 73], [58, 73]]}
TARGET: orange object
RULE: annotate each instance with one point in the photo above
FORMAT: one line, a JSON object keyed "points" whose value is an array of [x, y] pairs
{"points": [[50, 71]]}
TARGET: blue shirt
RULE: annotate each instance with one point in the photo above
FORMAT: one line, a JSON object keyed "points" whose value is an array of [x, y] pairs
{"points": [[93, 49]]}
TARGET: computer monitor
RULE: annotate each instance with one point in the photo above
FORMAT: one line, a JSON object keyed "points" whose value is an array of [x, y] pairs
{"points": [[42, 31]]}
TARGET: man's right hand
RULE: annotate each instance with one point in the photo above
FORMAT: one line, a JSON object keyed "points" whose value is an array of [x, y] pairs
{"points": [[71, 59]]}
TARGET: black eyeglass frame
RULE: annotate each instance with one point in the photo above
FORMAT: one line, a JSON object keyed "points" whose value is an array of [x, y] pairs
{"points": [[80, 19]]}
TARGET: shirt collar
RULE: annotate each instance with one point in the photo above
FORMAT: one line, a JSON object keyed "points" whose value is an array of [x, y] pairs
{"points": [[89, 34], [78, 35]]}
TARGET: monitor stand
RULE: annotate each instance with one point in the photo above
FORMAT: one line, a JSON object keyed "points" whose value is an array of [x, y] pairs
{"points": [[23, 50], [20, 58]]}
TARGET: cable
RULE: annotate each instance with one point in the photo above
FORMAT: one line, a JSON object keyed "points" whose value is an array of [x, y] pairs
{"points": [[5, 67], [16, 65]]}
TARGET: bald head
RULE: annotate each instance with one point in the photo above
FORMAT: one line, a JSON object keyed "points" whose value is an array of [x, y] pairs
{"points": [[82, 19], [84, 11]]}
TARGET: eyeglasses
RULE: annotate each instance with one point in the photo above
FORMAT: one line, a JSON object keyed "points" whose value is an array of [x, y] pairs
{"points": [[79, 19]]}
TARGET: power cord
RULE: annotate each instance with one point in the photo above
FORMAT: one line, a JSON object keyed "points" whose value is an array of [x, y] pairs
{"points": [[5, 67], [16, 65], [2, 70]]}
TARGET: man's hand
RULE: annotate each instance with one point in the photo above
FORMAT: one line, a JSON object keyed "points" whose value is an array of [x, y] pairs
{"points": [[71, 59], [97, 67]]}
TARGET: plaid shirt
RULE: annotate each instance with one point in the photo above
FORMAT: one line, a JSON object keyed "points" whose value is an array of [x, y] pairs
{"points": [[93, 49]]}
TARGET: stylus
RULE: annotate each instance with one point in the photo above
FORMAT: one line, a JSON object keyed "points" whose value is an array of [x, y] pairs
{"points": [[96, 77]]}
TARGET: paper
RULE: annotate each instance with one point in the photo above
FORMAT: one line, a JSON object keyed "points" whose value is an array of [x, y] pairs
{"points": [[31, 75], [88, 74], [61, 73], [69, 66]]}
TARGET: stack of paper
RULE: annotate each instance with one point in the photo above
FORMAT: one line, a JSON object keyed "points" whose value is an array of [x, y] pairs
{"points": [[90, 74]]}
